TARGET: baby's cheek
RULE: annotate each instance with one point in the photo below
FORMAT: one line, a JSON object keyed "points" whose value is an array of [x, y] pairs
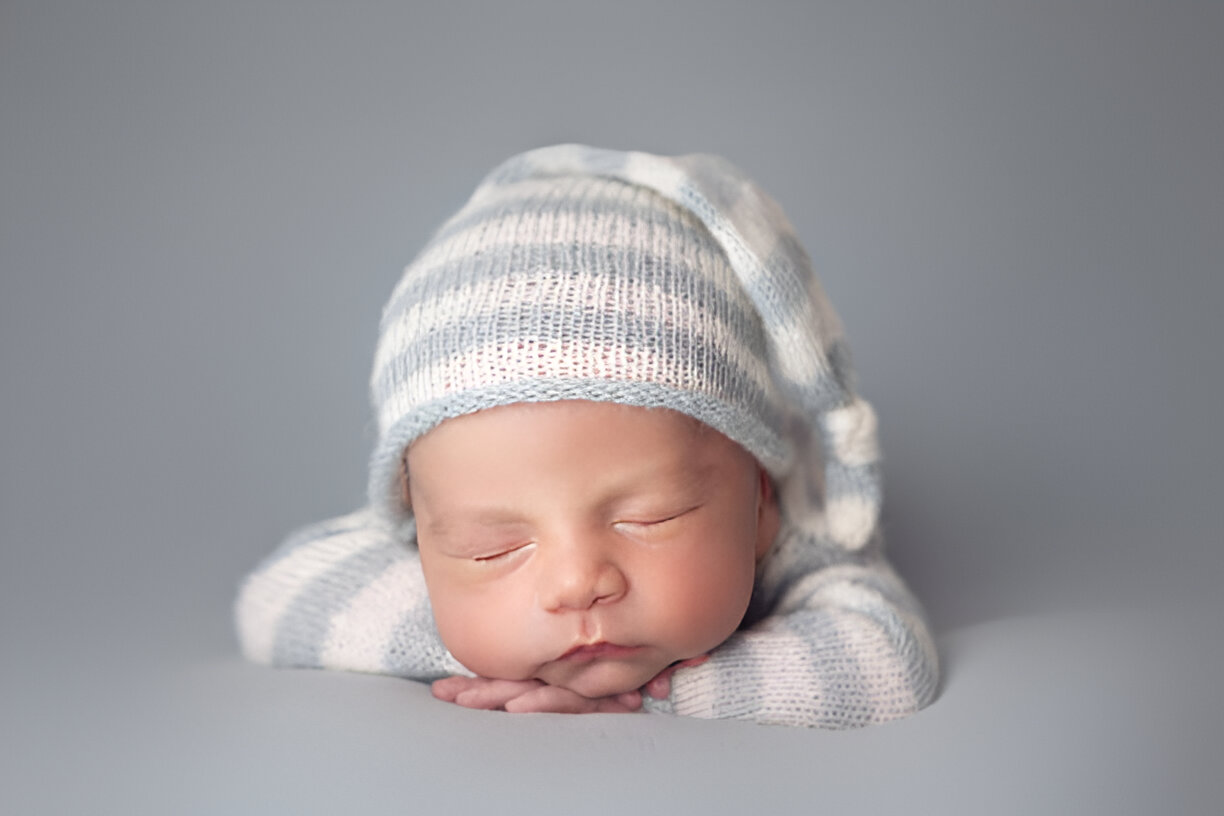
{"points": [[705, 606], [476, 631]]}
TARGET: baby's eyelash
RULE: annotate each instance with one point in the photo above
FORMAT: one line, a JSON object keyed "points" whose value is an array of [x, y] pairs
{"points": [[501, 554], [660, 520]]}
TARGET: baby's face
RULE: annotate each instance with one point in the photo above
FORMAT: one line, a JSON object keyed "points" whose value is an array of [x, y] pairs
{"points": [[589, 545]]}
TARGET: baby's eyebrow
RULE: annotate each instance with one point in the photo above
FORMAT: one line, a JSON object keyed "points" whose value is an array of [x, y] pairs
{"points": [[685, 473], [669, 478], [483, 517]]}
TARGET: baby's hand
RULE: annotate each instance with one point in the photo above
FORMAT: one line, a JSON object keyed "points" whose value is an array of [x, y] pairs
{"points": [[660, 685], [523, 696]]}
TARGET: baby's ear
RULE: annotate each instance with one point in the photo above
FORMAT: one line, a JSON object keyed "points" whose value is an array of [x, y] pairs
{"points": [[768, 516]]}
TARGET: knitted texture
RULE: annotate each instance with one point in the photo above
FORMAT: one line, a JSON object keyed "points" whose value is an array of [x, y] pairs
{"points": [[555, 287], [580, 273]]}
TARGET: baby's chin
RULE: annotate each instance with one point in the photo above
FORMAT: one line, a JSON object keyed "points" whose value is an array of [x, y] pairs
{"points": [[600, 678]]}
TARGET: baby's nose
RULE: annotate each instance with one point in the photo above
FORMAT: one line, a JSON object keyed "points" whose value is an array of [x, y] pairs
{"points": [[576, 579]]}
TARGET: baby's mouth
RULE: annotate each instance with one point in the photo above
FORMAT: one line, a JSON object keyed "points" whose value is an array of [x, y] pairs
{"points": [[585, 653]]}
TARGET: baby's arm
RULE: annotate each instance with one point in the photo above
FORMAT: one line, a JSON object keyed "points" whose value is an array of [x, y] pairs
{"points": [[343, 594], [845, 645]]}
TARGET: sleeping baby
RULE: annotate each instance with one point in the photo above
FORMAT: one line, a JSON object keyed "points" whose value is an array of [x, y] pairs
{"points": [[621, 466]]}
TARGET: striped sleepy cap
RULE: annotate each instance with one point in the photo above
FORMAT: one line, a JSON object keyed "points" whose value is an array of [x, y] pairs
{"points": [[580, 273]]}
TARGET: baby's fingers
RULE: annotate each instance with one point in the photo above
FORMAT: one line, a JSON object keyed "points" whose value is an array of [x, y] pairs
{"points": [[448, 687], [494, 694], [557, 700], [481, 692], [659, 687]]}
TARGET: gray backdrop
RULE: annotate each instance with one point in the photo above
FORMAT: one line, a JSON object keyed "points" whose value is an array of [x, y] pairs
{"points": [[1018, 209]]}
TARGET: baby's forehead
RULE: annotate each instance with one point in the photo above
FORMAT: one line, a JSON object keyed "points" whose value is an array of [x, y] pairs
{"points": [[665, 427], [596, 441]]}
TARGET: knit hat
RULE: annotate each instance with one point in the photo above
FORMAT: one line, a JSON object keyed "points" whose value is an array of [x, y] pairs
{"points": [[575, 272]]}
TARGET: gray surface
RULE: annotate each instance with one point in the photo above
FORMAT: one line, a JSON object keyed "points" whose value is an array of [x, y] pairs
{"points": [[1017, 209]]}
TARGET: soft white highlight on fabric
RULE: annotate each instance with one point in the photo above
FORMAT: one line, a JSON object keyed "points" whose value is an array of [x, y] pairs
{"points": [[267, 594], [853, 431], [851, 519], [361, 632]]}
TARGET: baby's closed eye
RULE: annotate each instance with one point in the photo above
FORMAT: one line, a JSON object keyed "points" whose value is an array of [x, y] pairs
{"points": [[655, 519], [501, 551]]}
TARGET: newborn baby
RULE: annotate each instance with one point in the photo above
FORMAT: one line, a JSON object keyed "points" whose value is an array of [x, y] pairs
{"points": [[620, 466]]}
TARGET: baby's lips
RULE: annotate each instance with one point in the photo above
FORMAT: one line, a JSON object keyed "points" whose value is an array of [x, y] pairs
{"points": [[593, 651]]}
